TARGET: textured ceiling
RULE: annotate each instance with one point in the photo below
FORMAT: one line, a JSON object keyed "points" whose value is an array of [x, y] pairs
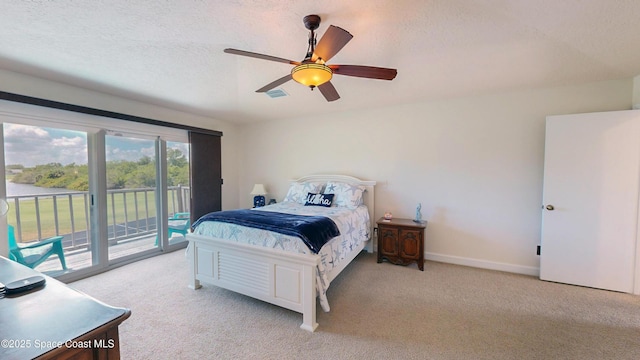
{"points": [[170, 52]]}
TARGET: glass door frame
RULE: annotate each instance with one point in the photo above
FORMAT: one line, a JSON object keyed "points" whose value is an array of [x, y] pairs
{"points": [[93, 126], [161, 199]]}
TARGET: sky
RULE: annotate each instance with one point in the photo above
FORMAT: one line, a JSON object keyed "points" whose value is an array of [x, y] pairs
{"points": [[33, 145]]}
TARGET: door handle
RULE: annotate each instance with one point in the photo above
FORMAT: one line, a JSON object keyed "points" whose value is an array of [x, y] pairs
{"points": [[549, 207]]}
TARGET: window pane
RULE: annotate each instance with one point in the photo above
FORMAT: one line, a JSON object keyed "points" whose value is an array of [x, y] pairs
{"points": [[131, 197], [47, 184], [179, 191]]}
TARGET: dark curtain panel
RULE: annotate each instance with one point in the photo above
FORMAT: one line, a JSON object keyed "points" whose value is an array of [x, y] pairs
{"points": [[206, 174]]}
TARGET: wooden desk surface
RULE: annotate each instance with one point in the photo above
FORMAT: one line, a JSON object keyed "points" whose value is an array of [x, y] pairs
{"points": [[51, 319]]}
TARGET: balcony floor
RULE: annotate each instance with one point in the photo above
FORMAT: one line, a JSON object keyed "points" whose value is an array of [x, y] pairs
{"points": [[79, 259]]}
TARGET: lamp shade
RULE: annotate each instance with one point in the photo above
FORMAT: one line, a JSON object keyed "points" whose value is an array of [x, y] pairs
{"points": [[311, 74], [258, 189]]}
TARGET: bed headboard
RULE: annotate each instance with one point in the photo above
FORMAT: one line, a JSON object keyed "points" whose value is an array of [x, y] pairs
{"points": [[368, 195]]}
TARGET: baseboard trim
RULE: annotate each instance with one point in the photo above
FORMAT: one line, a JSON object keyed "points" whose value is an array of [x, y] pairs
{"points": [[483, 264]]}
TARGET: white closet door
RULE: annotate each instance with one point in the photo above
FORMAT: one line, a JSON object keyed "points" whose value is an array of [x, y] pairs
{"points": [[590, 199]]}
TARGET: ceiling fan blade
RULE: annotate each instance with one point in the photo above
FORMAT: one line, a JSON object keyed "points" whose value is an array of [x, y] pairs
{"points": [[370, 72], [273, 84], [328, 91], [333, 40], [260, 56]]}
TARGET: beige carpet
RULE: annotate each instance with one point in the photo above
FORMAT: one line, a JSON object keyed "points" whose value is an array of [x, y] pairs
{"points": [[378, 311]]}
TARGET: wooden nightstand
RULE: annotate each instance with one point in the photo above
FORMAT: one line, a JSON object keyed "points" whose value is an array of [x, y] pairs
{"points": [[401, 241]]}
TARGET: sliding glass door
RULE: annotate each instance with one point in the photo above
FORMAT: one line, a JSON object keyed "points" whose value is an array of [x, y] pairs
{"points": [[93, 192], [47, 173], [46, 180], [132, 185], [178, 192], [47, 176]]}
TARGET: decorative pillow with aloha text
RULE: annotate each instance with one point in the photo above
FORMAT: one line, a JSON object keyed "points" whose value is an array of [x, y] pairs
{"points": [[319, 200]]}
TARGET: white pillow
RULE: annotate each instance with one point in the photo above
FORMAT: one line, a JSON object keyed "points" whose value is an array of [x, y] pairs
{"points": [[298, 191], [346, 195]]}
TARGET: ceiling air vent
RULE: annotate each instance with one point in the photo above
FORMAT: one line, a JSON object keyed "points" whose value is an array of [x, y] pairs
{"points": [[276, 93]]}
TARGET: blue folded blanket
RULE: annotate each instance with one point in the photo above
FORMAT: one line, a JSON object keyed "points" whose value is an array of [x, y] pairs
{"points": [[315, 231]]}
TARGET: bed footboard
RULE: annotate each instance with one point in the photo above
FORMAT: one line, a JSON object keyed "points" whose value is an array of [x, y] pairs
{"points": [[277, 277]]}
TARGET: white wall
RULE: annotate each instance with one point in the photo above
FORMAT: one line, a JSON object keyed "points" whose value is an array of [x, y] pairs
{"points": [[31, 86], [636, 92], [475, 164]]}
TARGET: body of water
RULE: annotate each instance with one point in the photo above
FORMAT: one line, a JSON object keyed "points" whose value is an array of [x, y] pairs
{"points": [[14, 189]]}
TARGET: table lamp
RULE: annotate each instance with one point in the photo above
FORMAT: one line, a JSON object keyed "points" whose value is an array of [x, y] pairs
{"points": [[259, 191]]}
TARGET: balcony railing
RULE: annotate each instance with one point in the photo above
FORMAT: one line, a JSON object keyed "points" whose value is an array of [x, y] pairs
{"points": [[131, 213]]}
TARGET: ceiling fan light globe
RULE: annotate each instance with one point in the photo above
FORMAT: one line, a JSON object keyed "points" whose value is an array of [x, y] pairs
{"points": [[311, 74]]}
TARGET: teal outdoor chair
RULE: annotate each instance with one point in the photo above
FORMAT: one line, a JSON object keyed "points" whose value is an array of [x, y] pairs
{"points": [[179, 223], [34, 254]]}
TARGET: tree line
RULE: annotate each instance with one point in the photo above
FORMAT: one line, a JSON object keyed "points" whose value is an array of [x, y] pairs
{"points": [[121, 174]]}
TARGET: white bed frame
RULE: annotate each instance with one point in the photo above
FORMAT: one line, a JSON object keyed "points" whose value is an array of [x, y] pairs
{"points": [[281, 278]]}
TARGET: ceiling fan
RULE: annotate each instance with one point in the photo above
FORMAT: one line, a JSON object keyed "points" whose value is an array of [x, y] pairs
{"points": [[313, 71]]}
